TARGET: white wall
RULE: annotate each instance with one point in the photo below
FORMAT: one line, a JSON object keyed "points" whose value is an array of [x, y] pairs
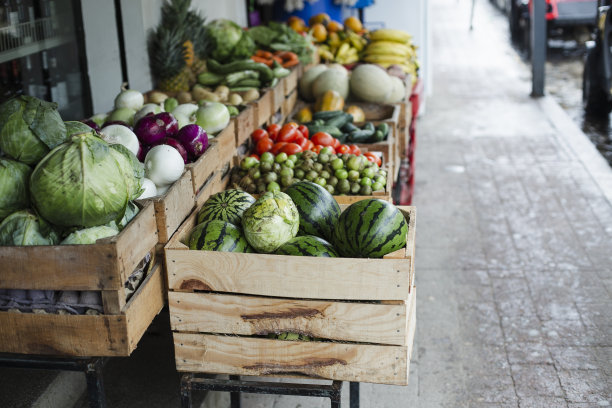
{"points": [[102, 49], [412, 16]]}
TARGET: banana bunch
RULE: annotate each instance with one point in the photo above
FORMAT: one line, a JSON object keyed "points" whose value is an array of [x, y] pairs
{"points": [[343, 48], [392, 47]]}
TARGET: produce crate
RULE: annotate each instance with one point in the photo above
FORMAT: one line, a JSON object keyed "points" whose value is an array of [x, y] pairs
{"points": [[290, 82], [289, 104], [113, 335], [245, 123], [265, 107], [173, 207], [278, 95], [381, 195], [216, 183], [220, 151], [223, 304]]}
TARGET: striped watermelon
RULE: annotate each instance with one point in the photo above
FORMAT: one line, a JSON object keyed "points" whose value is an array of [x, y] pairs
{"points": [[217, 235], [307, 245], [228, 205], [318, 209], [370, 228]]}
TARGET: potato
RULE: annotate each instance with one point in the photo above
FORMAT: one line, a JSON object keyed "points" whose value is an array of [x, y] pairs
{"points": [[223, 92], [184, 97], [235, 99], [250, 95]]}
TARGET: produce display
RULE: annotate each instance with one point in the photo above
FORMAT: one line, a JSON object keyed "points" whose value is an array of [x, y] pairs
{"points": [[340, 125], [228, 205], [392, 49], [344, 174], [79, 182]]}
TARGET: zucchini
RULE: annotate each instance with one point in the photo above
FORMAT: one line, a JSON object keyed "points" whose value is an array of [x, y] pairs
{"points": [[377, 137], [361, 135], [248, 82], [340, 120], [210, 79], [332, 130], [235, 77], [265, 73], [327, 115], [384, 129], [349, 127]]}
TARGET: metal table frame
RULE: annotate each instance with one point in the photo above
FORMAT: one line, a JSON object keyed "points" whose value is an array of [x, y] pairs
{"points": [[91, 366], [195, 382]]}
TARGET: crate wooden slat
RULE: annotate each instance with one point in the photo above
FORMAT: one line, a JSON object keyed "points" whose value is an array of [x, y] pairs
{"points": [[245, 123], [278, 95], [289, 104], [105, 265], [250, 315], [173, 207], [362, 362], [291, 81], [303, 277], [85, 335], [265, 107]]}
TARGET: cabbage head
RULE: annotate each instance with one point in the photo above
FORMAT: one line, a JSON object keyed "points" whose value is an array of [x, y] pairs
{"points": [[89, 235], [271, 221], [80, 184], [14, 179], [131, 168], [130, 212], [29, 128], [229, 41], [26, 228], [74, 127]]}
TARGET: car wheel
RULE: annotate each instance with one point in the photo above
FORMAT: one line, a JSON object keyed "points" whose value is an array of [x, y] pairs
{"points": [[594, 98]]}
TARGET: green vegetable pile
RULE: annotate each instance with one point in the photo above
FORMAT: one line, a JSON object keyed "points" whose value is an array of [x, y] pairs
{"points": [[228, 41], [340, 125], [281, 37], [241, 75], [344, 174], [82, 182]]}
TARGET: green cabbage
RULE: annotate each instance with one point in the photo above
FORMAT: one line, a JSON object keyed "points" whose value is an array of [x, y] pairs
{"points": [[25, 228], [271, 221], [229, 41], [81, 184], [74, 128], [131, 168], [89, 235], [14, 178], [29, 128]]}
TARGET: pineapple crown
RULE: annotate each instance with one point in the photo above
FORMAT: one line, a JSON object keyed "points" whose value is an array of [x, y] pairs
{"points": [[177, 14]]}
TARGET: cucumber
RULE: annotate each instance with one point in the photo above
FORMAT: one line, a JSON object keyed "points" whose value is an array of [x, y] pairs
{"points": [[349, 127], [340, 120], [362, 135], [210, 79], [332, 130], [327, 115], [384, 129], [265, 73], [377, 137], [235, 77]]}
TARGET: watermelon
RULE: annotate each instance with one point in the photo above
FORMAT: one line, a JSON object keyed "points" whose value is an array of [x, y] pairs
{"points": [[370, 228], [307, 245], [318, 209], [217, 235], [228, 205]]}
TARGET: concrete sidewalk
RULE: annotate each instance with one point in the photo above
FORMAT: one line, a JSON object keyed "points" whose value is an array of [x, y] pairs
{"points": [[514, 238]]}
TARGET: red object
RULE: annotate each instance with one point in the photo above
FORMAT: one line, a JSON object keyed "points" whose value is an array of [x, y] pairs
{"points": [[277, 147], [416, 96], [374, 158], [336, 143], [258, 134], [304, 131], [302, 141], [323, 138], [254, 156], [292, 124], [273, 130], [343, 149], [291, 148], [317, 148], [288, 134], [355, 150], [309, 145], [264, 145]]}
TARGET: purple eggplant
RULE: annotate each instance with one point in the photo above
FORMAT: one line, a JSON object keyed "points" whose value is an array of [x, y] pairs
{"points": [[172, 126], [150, 130], [194, 139], [178, 146]]}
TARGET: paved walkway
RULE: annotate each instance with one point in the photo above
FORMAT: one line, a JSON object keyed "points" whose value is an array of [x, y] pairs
{"points": [[514, 248]]}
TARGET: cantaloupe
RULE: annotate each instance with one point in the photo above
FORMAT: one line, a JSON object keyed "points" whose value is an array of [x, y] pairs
{"points": [[398, 93], [370, 83], [332, 79], [305, 84]]}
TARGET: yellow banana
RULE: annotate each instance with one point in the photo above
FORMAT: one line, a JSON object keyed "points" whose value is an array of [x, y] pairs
{"points": [[379, 59], [342, 51], [356, 40], [389, 48], [386, 34]]}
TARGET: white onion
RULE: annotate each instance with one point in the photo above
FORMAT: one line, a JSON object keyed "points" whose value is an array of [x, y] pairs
{"points": [[150, 189], [163, 165], [119, 134], [129, 98]]}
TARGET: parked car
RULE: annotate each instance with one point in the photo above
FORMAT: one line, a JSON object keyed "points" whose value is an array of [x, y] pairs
{"points": [[561, 16], [597, 75]]}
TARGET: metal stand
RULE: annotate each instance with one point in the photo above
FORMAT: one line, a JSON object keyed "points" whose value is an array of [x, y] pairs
{"points": [[191, 382], [91, 366]]}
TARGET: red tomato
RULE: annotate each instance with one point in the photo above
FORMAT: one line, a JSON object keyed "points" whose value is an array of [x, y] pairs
{"points": [[343, 149], [317, 148], [291, 148], [303, 130], [322, 138], [302, 141], [258, 134], [273, 130], [373, 158], [254, 156], [336, 143], [264, 145], [277, 147], [287, 134], [355, 150], [292, 124], [309, 145]]}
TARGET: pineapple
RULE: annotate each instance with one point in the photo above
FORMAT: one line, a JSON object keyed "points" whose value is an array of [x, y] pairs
{"points": [[196, 32], [167, 60]]}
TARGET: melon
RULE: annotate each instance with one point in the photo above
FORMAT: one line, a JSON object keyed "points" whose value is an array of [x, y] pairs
{"points": [[371, 83], [228, 205], [307, 245], [218, 235], [305, 84], [332, 79]]}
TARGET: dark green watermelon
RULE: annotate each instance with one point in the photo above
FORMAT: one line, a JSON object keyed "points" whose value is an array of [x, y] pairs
{"points": [[217, 235], [370, 228], [318, 209], [307, 245], [228, 205]]}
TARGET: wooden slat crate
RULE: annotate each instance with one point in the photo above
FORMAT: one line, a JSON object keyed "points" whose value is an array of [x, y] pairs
{"points": [[173, 207], [85, 335], [245, 123], [278, 95], [368, 328], [290, 82], [265, 107]]}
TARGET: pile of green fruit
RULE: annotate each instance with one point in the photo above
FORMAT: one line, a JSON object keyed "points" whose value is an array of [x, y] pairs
{"points": [[340, 174]]}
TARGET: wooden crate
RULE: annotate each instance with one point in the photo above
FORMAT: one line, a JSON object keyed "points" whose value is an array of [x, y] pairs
{"points": [[367, 341], [265, 107], [245, 124], [173, 207], [221, 150], [85, 335], [290, 82], [278, 95], [289, 104]]}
